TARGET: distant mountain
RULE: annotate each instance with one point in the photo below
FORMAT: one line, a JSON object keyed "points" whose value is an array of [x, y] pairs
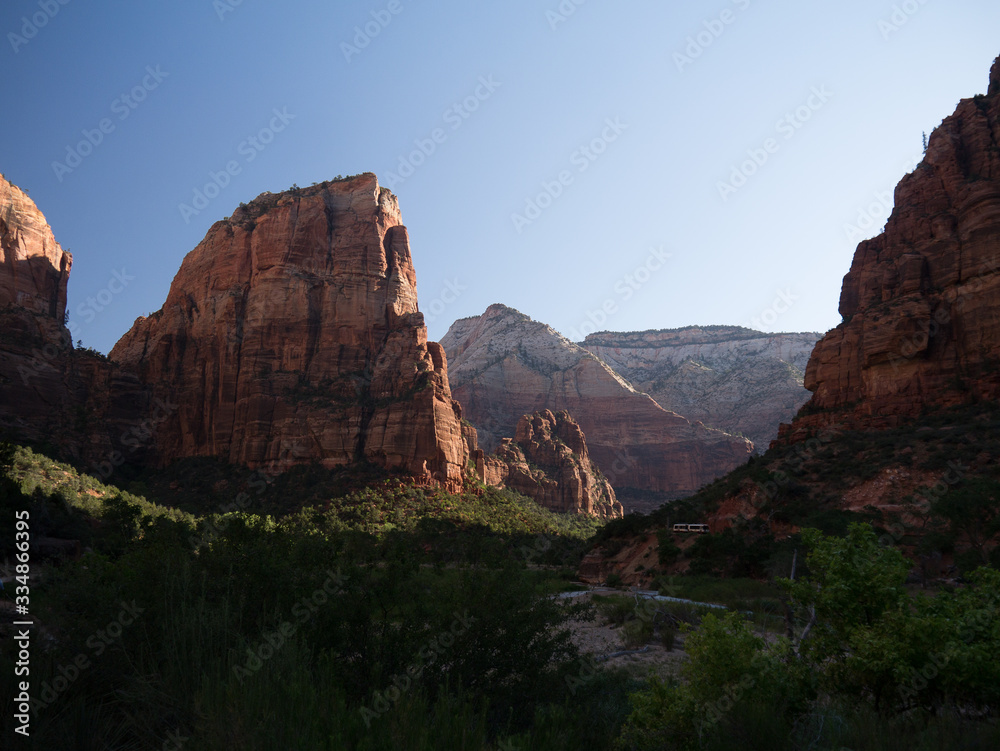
{"points": [[735, 379], [503, 365]]}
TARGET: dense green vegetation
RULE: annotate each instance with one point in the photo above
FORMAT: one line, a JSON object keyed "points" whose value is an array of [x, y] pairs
{"points": [[389, 616], [869, 668], [393, 617]]}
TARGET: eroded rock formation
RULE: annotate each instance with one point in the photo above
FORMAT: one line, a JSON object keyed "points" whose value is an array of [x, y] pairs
{"points": [[548, 461], [51, 394], [34, 269], [504, 365], [728, 377], [291, 334], [921, 303]]}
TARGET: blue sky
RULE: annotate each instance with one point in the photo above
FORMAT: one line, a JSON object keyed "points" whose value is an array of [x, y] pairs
{"points": [[564, 158]]}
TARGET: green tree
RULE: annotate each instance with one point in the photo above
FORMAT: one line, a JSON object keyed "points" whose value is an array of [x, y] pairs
{"points": [[852, 582], [973, 513]]}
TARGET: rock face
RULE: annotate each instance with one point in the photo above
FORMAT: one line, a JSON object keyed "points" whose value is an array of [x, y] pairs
{"points": [[728, 377], [50, 393], [547, 460], [35, 346], [504, 365], [921, 303], [34, 269], [291, 334]]}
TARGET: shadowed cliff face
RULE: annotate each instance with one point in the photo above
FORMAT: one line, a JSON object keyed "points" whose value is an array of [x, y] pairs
{"points": [[504, 365], [34, 269], [921, 303], [291, 334], [49, 393]]}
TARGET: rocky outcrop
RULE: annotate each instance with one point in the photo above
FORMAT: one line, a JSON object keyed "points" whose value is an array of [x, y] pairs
{"points": [[51, 394], [735, 379], [548, 461], [35, 346], [504, 365], [34, 269], [921, 303], [292, 334]]}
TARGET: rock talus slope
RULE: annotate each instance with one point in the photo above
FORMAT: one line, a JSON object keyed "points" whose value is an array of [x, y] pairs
{"points": [[504, 365], [728, 377], [921, 302], [291, 333]]}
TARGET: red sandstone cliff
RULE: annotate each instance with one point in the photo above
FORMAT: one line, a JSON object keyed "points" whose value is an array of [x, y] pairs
{"points": [[548, 461], [34, 269], [921, 303], [291, 333], [504, 365], [50, 393]]}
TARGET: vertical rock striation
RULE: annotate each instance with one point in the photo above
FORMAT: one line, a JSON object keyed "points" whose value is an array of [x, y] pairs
{"points": [[51, 394], [921, 303], [292, 334]]}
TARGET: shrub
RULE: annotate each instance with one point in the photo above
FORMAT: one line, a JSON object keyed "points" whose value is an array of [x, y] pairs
{"points": [[636, 633], [616, 610], [668, 635]]}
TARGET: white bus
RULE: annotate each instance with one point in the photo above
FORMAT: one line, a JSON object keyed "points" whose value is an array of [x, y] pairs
{"points": [[700, 529]]}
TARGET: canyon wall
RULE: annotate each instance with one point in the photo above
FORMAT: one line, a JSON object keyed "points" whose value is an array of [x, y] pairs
{"points": [[735, 379], [921, 302], [50, 394]]}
